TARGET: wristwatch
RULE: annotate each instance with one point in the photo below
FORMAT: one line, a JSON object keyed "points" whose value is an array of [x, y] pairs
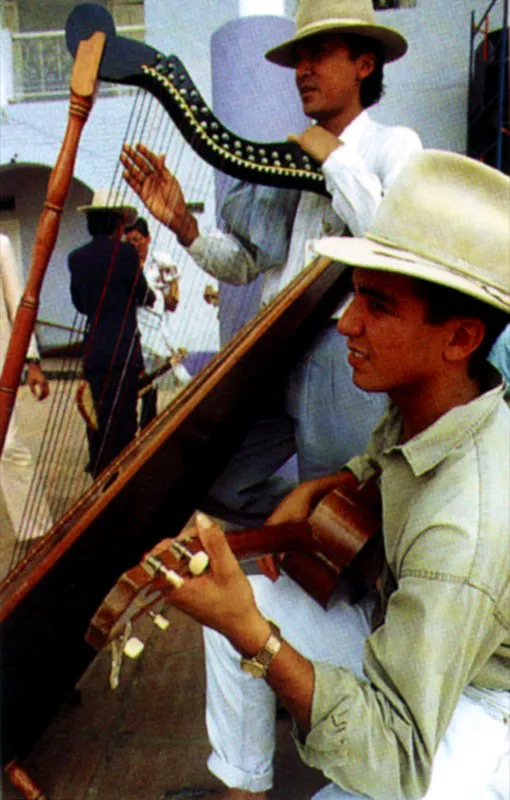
{"points": [[32, 360], [258, 665]]}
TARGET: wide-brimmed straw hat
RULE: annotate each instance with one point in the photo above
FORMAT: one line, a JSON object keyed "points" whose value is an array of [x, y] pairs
{"points": [[338, 16], [445, 220], [109, 200]]}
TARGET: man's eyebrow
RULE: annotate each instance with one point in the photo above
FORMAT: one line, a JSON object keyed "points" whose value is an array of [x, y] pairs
{"points": [[376, 294]]}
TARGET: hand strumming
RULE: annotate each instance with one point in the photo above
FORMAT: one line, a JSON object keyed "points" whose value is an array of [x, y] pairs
{"points": [[159, 190]]}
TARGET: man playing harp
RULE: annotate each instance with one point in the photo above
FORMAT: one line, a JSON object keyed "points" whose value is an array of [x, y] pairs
{"points": [[338, 54]]}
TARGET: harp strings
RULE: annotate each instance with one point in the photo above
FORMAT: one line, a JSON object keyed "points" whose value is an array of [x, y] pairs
{"points": [[59, 474], [63, 453]]}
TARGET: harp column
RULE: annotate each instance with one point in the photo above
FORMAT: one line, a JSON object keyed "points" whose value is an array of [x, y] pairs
{"points": [[259, 101]]}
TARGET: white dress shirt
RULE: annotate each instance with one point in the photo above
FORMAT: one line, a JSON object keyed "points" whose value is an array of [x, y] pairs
{"points": [[357, 174]]}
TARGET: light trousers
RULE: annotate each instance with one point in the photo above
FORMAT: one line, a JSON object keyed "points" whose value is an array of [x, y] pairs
{"points": [[473, 759], [16, 476]]}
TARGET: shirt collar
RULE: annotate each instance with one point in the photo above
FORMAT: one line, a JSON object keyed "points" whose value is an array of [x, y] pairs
{"points": [[427, 449], [354, 131]]}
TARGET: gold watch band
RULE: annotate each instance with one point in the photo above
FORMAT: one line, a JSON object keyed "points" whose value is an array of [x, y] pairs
{"points": [[258, 665]]}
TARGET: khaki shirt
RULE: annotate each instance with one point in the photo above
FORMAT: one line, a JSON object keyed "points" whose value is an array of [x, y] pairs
{"points": [[445, 598]]}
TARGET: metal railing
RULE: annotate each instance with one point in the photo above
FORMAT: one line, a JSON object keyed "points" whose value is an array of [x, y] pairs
{"points": [[42, 64], [382, 5]]}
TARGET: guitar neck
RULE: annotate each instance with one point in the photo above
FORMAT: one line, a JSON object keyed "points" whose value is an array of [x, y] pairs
{"points": [[253, 543]]}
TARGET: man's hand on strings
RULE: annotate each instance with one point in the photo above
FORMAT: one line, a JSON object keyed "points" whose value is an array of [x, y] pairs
{"points": [[295, 507], [37, 381], [298, 505], [316, 141], [159, 190]]}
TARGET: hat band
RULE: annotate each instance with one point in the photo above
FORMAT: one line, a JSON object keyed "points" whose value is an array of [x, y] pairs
{"points": [[458, 266], [334, 22]]}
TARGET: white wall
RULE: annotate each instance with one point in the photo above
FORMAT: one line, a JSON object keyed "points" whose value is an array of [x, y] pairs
{"points": [[427, 89]]}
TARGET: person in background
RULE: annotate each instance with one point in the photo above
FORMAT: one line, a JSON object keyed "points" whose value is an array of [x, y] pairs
{"points": [[338, 53], [500, 357], [107, 286], [157, 348], [211, 295], [17, 463]]}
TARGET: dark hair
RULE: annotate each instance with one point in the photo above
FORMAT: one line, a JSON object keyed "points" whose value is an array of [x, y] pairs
{"points": [[141, 226], [372, 87], [445, 303], [103, 222]]}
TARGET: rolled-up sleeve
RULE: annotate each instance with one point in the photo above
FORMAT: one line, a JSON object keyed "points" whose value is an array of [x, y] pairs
{"points": [[378, 737], [223, 256]]}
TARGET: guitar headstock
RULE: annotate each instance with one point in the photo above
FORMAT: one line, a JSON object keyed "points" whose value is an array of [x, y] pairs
{"points": [[143, 586]]}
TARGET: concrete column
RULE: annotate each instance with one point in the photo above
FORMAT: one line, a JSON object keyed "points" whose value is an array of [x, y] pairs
{"points": [[259, 101]]}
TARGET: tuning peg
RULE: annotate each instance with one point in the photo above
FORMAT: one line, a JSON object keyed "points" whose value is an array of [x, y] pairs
{"points": [[159, 620], [134, 647], [127, 645], [157, 566], [197, 562]]}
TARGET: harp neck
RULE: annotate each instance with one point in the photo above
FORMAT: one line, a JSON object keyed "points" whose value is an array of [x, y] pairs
{"points": [[280, 164]]}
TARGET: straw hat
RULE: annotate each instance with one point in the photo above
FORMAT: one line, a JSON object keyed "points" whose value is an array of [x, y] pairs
{"points": [[109, 200], [445, 220], [338, 16]]}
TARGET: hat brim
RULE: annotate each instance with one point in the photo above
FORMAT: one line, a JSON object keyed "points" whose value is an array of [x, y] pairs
{"points": [[369, 254], [394, 44], [130, 212]]}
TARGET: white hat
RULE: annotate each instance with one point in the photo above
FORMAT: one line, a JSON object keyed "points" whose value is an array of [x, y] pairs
{"points": [[338, 16], [109, 200], [445, 220]]}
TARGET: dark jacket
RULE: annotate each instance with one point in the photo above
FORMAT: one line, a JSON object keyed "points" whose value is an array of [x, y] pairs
{"points": [[107, 285]]}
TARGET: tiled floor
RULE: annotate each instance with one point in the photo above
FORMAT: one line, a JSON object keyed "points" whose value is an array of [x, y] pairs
{"points": [[148, 735]]}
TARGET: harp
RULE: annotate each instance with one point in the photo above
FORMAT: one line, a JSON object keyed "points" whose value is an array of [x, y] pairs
{"points": [[151, 489]]}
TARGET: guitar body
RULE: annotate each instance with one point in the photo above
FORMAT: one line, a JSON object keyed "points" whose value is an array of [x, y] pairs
{"points": [[339, 539], [343, 542]]}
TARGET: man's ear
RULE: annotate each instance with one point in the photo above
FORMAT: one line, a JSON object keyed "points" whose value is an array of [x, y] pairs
{"points": [[466, 336], [366, 65]]}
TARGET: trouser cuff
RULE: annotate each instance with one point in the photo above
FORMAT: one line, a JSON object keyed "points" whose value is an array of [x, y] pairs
{"points": [[235, 778]]}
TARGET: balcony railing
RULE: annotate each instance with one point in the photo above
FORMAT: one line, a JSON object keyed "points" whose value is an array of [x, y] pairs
{"points": [[42, 64], [382, 5]]}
